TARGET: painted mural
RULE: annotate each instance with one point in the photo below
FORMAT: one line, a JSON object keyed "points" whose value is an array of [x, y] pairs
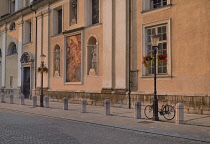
{"points": [[73, 58]]}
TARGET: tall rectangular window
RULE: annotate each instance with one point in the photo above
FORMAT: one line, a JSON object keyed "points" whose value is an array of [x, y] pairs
{"points": [[73, 12], [12, 7], [57, 24], [59, 21], [30, 31], [95, 11], [27, 31], [11, 81], [162, 48]]}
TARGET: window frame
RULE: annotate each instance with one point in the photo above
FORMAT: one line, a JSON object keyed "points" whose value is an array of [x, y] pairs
{"points": [[55, 20], [69, 14], [92, 12], [28, 25], [146, 6], [88, 13], [166, 22]]}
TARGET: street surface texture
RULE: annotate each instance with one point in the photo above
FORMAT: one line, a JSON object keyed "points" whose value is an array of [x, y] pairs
{"points": [[22, 128]]}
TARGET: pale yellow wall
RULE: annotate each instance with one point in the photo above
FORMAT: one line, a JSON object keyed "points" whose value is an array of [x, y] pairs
{"points": [[30, 47], [190, 33], [12, 60], [11, 70]]}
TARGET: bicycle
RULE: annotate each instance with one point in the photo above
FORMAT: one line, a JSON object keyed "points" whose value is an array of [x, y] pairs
{"points": [[167, 111]]}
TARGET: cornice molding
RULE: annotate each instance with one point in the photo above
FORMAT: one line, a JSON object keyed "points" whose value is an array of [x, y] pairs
{"points": [[20, 23], [4, 29], [46, 12], [39, 15]]}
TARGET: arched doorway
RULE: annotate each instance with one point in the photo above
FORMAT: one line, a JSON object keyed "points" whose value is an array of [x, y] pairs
{"points": [[27, 74]]}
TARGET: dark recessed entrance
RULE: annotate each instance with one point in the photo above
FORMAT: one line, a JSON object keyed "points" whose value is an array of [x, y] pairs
{"points": [[26, 82]]}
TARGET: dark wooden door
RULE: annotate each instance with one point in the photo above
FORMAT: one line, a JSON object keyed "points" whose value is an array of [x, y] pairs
{"points": [[26, 82]]}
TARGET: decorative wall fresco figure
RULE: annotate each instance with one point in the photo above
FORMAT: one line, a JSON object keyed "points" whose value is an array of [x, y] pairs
{"points": [[94, 58], [73, 58], [57, 62]]}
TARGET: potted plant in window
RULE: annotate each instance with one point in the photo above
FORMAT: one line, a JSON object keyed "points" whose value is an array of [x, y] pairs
{"points": [[149, 58]]}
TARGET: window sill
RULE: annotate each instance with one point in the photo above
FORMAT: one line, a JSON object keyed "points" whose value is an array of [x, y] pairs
{"points": [[57, 35], [95, 76], [93, 26], [158, 76], [73, 83], [12, 54], [27, 43], [157, 9], [12, 30]]}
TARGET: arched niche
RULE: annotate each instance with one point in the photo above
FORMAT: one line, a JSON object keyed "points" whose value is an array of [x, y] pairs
{"points": [[56, 60], [12, 49], [92, 55], [12, 26]]}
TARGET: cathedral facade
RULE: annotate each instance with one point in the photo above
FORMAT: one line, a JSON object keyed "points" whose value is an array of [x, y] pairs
{"points": [[95, 49]]}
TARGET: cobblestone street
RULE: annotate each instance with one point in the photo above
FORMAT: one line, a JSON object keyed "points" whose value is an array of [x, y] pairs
{"points": [[20, 128]]}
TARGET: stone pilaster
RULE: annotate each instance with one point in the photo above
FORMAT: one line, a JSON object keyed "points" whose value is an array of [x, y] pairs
{"points": [[20, 49], [121, 45], [39, 44], [107, 46], [3, 60], [45, 47]]}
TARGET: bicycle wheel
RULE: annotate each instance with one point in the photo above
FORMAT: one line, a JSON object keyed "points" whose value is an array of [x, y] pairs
{"points": [[168, 112], [148, 111]]}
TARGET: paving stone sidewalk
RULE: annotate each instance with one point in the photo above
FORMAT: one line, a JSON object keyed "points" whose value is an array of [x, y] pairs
{"points": [[120, 118], [190, 119]]}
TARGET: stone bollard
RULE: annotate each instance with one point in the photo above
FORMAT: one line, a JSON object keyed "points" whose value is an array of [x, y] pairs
{"points": [[34, 101], [137, 113], [179, 113], [84, 103], [2, 98], [107, 106], [11, 99], [46, 99], [22, 99], [65, 102]]}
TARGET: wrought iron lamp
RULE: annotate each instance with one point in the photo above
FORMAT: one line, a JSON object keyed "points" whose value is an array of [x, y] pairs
{"points": [[155, 42], [42, 57]]}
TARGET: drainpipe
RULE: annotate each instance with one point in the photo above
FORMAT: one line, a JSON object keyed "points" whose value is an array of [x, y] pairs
{"points": [[35, 61], [129, 62]]}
